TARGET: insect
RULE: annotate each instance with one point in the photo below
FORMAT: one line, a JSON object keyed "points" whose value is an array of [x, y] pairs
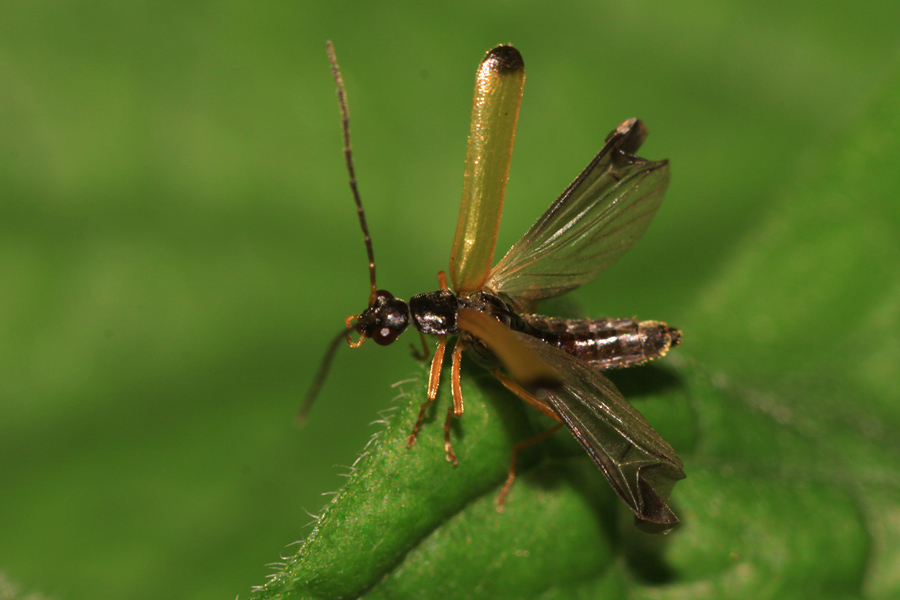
{"points": [[553, 364]]}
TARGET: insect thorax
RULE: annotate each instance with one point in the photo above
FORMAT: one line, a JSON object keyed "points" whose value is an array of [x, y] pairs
{"points": [[435, 313]]}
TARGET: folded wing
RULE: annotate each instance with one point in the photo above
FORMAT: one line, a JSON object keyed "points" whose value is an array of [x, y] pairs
{"points": [[639, 464]]}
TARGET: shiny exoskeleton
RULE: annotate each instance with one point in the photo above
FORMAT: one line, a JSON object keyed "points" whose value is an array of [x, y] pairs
{"points": [[606, 343]]}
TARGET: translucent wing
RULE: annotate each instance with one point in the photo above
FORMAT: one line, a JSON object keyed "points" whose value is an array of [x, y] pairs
{"points": [[594, 222], [640, 466]]}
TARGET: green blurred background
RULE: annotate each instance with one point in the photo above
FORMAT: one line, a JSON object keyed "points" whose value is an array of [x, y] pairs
{"points": [[179, 244]]}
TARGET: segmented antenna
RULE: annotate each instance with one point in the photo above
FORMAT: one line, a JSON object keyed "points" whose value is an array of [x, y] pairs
{"points": [[313, 392], [348, 154]]}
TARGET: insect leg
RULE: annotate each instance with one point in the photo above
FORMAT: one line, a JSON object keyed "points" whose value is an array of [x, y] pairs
{"points": [[425, 353], [434, 379], [448, 447], [362, 337], [456, 410], [519, 391], [454, 378], [537, 403], [500, 500]]}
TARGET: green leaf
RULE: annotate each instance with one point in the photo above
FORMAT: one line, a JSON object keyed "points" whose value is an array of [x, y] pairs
{"points": [[783, 402], [409, 514]]}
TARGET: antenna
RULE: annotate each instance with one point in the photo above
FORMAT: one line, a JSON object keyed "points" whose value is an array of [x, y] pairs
{"points": [[321, 375], [348, 154], [373, 294]]}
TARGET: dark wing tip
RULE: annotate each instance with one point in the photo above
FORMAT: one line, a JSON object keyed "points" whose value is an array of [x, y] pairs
{"points": [[503, 59], [653, 515], [656, 517], [629, 136], [656, 528]]}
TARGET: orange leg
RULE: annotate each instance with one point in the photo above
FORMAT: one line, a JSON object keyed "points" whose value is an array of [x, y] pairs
{"points": [[448, 447], [454, 378], [349, 322], [537, 403], [457, 409], [500, 500], [434, 379], [519, 391], [437, 363]]}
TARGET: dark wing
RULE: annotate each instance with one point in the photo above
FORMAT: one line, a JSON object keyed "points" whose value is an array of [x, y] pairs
{"points": [[640, 466], [594, 222]]}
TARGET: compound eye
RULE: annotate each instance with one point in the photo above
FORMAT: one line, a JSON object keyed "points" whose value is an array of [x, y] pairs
{"points": [[385, 335]]}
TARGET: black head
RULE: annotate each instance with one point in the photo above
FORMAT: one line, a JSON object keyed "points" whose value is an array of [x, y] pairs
{"points": [[385, 320]]}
